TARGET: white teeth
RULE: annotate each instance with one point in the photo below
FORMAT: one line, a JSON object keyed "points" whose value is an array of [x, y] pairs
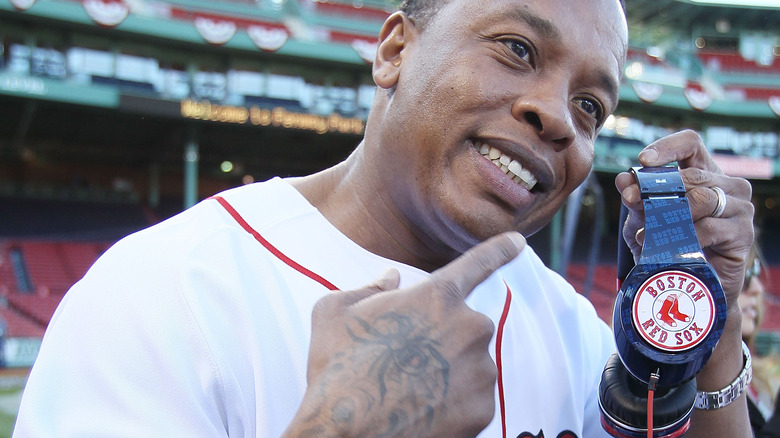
{"points": [[509, 166], [515, 167], [527, 176]]}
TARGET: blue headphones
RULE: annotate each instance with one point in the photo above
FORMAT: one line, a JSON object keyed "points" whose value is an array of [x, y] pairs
{"points": [[669, 314]]}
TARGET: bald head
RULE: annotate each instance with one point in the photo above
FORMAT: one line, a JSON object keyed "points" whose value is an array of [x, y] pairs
{"points": [[421, 11]]}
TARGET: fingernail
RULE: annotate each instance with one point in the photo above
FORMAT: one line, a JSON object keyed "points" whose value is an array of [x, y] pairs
{"points": [[387, 272], [648, 156], [389, 278], [628, 196]]}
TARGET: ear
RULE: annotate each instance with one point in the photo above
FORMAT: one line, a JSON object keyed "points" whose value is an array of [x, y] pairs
{"points": [[396, 33]]}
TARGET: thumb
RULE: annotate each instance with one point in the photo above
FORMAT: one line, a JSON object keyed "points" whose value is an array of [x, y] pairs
{"points": [[388, 280], [463, 274]]}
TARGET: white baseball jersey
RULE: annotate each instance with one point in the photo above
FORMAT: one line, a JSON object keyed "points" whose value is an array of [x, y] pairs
{"points": [[200, 327]]}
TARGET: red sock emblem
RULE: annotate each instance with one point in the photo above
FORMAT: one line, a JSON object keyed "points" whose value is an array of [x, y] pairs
{"points": [[670, 312]]}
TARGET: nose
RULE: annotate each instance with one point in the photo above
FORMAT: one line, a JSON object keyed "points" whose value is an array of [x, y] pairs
{"points": [[549, 116], [753, 288]]}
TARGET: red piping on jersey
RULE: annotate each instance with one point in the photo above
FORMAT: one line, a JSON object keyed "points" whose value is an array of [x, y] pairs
{"points": [[295, 265], [499, 338], [290, 262]]}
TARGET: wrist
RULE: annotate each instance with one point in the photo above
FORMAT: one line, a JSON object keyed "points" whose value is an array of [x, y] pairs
{"points": [[711, 400], [308, 422], [727, 360]]}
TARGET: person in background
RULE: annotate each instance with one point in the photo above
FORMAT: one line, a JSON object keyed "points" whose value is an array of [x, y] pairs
{"points": [[762, 391], [751, 302]]}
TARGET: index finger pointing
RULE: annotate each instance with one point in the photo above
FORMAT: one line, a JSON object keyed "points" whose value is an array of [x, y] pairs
{"points": [[463, 274]]}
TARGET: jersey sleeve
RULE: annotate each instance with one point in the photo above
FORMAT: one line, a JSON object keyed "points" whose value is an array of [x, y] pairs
{"points": [[122, 357]]}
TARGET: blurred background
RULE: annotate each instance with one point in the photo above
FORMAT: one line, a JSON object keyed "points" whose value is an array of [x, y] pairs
{"points": [[117, 114]]}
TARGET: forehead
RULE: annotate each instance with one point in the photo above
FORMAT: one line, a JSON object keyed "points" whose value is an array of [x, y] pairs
{"points": [[599, 18], [592, 33], [578, 13]]}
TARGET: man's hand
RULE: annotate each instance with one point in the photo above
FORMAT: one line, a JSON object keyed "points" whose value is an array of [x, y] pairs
{"points": [[405, 362], [726, 239]]}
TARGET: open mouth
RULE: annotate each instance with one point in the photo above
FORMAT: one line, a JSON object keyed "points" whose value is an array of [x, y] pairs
{"points": [[511, 167]]}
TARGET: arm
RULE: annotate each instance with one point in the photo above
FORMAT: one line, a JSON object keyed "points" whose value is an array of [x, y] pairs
{"points": [[411, 362], [117, 357], [726, 242]]}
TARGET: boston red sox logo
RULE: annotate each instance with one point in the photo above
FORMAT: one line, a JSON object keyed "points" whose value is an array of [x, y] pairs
{"points": [[673, 311]]}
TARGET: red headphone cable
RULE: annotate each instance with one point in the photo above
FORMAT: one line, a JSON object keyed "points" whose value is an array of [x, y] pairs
{"points": [[651, 384]]}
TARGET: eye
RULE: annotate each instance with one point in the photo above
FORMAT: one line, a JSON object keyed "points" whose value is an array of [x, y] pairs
{"points": [[521, 49], [592, 107]]}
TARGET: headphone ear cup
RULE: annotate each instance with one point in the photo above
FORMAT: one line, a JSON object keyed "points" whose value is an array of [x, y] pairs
{"points": [[623, 401]]}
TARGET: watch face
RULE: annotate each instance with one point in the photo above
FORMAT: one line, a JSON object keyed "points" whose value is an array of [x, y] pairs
{"points": [[673, 311]]}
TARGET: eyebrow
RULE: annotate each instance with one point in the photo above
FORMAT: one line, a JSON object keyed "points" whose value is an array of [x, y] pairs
{"points": [[542, 26], [609, 85], [549, 30]]}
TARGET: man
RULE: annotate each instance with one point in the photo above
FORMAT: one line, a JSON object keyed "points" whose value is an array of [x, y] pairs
{"points": [[259, 312]]}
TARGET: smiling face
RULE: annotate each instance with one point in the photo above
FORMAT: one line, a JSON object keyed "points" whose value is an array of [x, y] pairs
{"points": [[491, 111], [750, 303]]}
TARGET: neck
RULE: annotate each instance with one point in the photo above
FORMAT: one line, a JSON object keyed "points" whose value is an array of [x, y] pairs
{"points": [[359, 204]]}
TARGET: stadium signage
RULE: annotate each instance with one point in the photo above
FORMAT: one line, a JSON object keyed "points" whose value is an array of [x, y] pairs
{"points": [[215, 32], [365, 49], [745, 167], [774, 103], [697, 97], [647, 92], [22, 84], [23, 5], [276, 117], [267, 38], [21, 352], [107, 13]]}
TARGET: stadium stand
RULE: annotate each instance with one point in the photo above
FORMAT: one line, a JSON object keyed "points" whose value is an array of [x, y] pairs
{"points": [[731, 61], [69, 219], [19, 326], [45, 267], [84, 104], [32, 286]]}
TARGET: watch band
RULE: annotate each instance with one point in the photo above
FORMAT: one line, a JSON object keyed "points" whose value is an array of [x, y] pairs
{"points": [[719, 399]]}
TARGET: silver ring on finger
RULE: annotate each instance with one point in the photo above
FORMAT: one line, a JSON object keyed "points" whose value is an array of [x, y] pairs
{"points": [[721, 206]]}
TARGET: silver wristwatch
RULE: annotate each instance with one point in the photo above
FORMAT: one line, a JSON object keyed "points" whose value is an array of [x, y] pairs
{"points": [[718, 399]]}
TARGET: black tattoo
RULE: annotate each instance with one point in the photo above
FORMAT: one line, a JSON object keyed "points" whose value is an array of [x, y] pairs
{"points": [[406, 358], [398, 422], [314, 432], [343, 413]]}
